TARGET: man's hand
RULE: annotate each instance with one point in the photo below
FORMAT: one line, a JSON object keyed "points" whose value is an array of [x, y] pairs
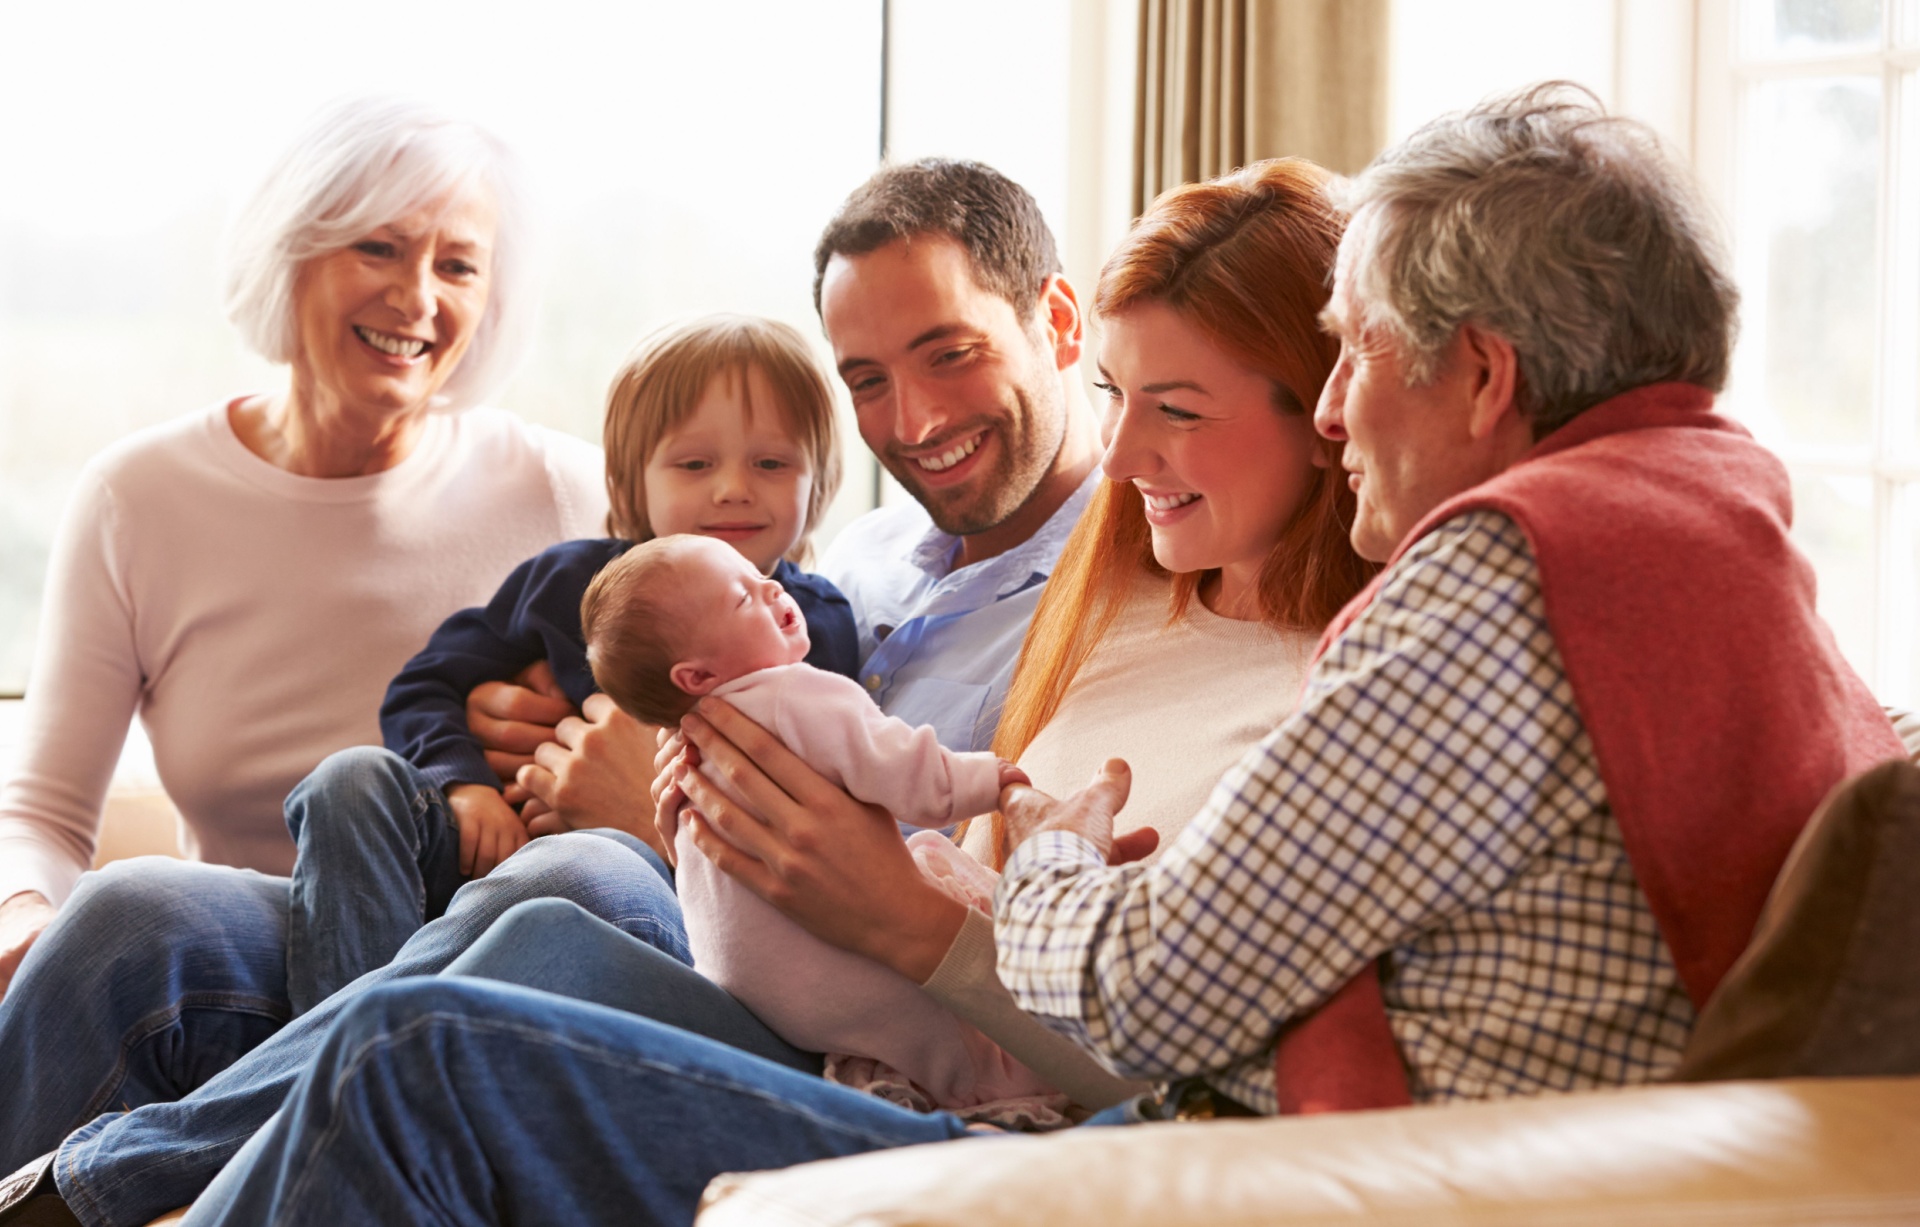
{"points": [[490, 831], [1088, 813], [597, 772], [22, 919], [511, 720]]}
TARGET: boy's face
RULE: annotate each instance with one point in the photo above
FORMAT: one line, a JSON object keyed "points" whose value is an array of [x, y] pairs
{"points": [[738, 620], [732, 472]]}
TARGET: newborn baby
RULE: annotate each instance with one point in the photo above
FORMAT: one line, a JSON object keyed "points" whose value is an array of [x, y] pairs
{"points": [[680, 617]]}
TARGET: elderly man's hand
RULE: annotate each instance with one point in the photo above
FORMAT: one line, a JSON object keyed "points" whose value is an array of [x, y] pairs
{"points": [[1088, 813], [597, 772]]}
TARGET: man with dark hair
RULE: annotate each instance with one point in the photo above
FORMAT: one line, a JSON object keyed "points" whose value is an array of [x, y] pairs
{"points": [[940, 289]]}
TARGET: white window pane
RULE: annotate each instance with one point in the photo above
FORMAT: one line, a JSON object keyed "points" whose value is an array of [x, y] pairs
{"points": [[1833, 524], [1902, 394], [1901, 642], [1812, 27], [1809, 194]]}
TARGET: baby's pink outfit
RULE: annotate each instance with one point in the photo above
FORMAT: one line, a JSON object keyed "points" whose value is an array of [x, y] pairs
{"points": [[819, 997]]}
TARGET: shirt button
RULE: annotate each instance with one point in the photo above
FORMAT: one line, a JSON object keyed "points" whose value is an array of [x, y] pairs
{"points": [[873, 681]]}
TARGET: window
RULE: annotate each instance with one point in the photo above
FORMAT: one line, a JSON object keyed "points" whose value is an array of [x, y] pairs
{"points": [[681, 167], [1808, 132]]}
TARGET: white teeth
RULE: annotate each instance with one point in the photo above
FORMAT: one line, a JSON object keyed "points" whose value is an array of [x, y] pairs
{"points": [[952, 456], [399, 347], [1167, 502]]}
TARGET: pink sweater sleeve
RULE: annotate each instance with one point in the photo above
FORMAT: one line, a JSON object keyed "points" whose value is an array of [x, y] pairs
{"points": [[81, 696], [829, 721]]}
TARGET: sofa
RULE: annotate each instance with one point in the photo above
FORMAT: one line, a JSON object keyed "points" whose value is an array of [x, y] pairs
{"points": [[1827, 1151]]}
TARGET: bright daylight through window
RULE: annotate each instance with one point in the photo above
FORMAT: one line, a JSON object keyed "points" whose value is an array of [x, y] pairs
{"points": [[1810, 114]]}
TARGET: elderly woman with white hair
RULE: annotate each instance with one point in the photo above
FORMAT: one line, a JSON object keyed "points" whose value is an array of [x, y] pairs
{"points": [[249, 578]]}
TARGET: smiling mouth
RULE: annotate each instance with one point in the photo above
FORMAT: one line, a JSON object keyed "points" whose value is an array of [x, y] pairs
{"points": [[730, 530], [940, 462], [1167, 502], [387, 343]]}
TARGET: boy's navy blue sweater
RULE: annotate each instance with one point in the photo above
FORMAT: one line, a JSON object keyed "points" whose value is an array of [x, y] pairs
{"points": [[536, 616]]}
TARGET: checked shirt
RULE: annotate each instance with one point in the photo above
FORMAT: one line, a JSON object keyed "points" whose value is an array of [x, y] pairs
{"points": [[1434, 800]]}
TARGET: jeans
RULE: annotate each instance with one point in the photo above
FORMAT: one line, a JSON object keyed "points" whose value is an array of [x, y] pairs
{"points": [[181, 1034], [379, 856], [559, 947], [453, 1100]]}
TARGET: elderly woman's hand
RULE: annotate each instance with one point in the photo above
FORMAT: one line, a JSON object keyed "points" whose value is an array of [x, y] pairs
{"points": [[1088, 813], [595, 773], [837, 867]]}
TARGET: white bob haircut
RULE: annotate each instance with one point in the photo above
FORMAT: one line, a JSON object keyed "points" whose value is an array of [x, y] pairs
{"points": [[361, 164], [1567, 231]]}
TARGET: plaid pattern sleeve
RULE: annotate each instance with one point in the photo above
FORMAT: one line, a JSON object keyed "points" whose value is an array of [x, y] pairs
{"points": [[1434, 800]]}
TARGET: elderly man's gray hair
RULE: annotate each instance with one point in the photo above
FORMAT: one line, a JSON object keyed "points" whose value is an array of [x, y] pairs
{"points": [[1568, 232], [361, 164]]}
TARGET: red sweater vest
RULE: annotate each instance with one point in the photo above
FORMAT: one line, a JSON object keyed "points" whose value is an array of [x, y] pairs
{"points": [[1718, 704]]}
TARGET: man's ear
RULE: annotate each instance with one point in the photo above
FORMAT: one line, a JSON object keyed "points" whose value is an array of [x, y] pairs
{"points": [[693, 679], [1494, 370], [1060, 316]]}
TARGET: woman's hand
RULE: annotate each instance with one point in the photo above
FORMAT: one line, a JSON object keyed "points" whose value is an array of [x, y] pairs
{"points": [[511, 720], [837, 867], [22, 919], [595, 773]]}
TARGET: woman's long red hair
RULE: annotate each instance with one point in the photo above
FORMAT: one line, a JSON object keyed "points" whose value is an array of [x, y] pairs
{"points": [[1247, 259]]}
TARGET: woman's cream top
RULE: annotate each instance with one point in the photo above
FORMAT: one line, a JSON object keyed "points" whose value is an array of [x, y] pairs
{"points": [[1181, 701]]}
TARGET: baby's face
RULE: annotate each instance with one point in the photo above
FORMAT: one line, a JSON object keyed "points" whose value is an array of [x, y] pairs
{"points": [[739, 620]]}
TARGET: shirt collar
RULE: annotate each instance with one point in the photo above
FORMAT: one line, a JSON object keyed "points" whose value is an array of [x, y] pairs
{"points": [[1014, 569]]}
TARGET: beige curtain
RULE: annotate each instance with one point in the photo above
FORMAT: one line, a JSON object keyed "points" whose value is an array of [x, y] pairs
{"points": [[1221, 83]]}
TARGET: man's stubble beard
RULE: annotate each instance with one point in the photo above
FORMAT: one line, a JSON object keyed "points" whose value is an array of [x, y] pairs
{"points": [[1030, 441]]}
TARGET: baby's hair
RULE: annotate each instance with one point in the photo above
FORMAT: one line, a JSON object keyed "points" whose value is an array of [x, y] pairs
{"points": [[627, 617], [657, 389]]}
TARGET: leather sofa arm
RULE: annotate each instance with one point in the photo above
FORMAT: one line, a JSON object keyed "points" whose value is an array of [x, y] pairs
{"points": [[1828, 1151]]}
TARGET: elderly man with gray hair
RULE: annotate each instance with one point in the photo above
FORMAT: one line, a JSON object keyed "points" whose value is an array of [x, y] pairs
{"points": [[1547, 767]]}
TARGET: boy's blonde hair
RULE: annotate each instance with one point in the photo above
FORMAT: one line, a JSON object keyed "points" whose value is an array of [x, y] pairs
{"points": [[628, 617], [656, 392]]}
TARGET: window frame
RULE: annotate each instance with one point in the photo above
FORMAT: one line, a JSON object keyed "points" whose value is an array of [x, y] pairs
{"points": [[1726, 73]]}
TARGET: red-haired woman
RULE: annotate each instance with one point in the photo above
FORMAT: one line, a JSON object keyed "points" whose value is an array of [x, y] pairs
{"points": [[1176, 632]]}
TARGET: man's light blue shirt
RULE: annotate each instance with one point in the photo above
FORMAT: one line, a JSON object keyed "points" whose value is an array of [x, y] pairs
{"points": [[938, 645]]}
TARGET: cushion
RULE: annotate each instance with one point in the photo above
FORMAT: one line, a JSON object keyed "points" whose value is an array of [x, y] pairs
{"points": [[1830, 985]]}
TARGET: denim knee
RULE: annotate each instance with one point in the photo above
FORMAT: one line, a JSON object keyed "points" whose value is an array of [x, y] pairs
{"points": [[573, 865], [526, 922], [360, 780], [605, 878], [398, 1005], [140, 905]]}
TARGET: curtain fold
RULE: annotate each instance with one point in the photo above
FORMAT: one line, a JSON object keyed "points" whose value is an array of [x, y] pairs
{"points": [[1220, 83]]}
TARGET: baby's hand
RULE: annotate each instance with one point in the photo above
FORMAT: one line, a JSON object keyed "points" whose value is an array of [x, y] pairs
{"points": [[490, 831], [1010, 774]]}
